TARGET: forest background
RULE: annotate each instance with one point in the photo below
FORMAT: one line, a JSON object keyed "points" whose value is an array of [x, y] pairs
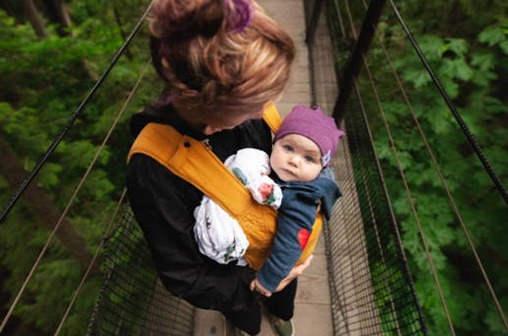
{"points": [[52, 52]]}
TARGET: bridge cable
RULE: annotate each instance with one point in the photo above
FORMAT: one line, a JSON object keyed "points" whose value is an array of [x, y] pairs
{"points": [[108, 228], [17, 195], [333, 280], [71, 200], [451, 106], [411, 202], [444, 183], [105, 238], [408, 191], [368, 190], [391, 216]]}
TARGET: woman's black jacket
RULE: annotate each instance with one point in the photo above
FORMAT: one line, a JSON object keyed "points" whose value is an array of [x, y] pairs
{"points": [[163, 205]]}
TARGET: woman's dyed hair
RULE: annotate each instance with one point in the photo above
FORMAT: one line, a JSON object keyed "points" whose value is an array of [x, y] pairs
{"points": [[219, 56]]}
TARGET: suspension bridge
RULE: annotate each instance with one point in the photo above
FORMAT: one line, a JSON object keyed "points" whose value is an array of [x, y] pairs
{"points": [[359, 282]]}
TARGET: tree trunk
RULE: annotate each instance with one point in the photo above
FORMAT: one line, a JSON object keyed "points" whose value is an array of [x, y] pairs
{"points": [[7, 7], [63, 14], [57, 13], [44, 210], [35, 18]]}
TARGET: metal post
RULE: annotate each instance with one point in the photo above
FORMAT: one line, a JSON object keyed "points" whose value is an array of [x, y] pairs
{"points": [[355, 63], [310, 31]]}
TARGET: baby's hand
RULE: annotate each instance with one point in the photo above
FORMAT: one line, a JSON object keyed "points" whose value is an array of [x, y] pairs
{"points": [[258, 287], [265, 191], [295, 272]]}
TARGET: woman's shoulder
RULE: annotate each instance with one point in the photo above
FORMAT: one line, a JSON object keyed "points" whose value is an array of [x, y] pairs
{"points": [[160, 115], [150, 114]]}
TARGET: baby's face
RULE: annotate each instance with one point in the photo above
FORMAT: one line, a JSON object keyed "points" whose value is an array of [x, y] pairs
{"points": [[296, 158]]}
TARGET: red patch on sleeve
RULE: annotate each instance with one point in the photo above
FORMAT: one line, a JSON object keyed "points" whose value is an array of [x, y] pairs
{"points": [[303, 238]]}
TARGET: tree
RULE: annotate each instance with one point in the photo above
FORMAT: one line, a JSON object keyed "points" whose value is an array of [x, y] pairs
{"points": [[46, 213], [6, 6], [35, 18], [58, 12], [465, 47], [466, 44], [42, 84]]}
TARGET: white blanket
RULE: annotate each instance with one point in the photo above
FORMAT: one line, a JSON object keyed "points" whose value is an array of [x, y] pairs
{"points": [[219, 236]]}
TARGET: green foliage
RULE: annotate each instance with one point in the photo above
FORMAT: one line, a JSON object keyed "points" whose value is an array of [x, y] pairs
{"points": [[468, 75], [465, 43], [496, 36], [43, 82]]}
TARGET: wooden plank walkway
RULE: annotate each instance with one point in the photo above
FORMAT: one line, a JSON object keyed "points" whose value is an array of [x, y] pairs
{"points": [[313, 309]]}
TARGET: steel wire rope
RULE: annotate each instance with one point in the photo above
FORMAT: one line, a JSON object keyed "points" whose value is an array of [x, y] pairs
{"points": [[106, 235], [105, 283], [31, 176], [105, 238], [410, 200], [369, 191], [406, 271], [332, 267], [363, 252], [71, 200], [443, 180], [333, 281], [379, 170], [445, 184], [469, 135], [429, 257], [413, 208]]}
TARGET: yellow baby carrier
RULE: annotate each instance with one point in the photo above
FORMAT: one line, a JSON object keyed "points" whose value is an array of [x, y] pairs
{"points": [[194, 162]]}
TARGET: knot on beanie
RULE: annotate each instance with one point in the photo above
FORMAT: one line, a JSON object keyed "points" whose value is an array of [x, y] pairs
{"points": [[315, 125]]}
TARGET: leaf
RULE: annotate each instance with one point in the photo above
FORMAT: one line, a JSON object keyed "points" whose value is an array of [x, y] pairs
{"points": [[450, 86], [456, 68], [492, 35], [504, 47], [49, 175], [418, 77], [433, 47], [483, 61], [484, 65], [458, 46]]}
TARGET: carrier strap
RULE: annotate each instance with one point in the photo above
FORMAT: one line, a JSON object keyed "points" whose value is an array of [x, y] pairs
{"points": [[194, 162]]}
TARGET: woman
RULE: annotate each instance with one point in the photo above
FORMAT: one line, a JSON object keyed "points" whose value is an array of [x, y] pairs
{"points": [[222, 61]]}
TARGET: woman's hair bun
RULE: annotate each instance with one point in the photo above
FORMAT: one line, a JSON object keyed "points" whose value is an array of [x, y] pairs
{"points": [[185, 19]]}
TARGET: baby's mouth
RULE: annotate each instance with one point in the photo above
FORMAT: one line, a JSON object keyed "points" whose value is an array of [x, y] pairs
{"points": [[288, 171]]}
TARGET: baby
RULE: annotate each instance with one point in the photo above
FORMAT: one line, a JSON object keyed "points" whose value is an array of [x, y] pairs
{"points": [[301, 183]]}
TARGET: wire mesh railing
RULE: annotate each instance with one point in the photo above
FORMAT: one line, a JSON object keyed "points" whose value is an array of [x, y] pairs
{"points": [[371, 288], [411, 210], [132, 300]]}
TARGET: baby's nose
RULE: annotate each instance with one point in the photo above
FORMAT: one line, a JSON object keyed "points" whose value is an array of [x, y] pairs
{"points": [[294, 160]]}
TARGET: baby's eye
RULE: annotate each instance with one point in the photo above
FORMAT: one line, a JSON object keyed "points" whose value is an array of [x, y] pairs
{"points": [[288, 148], [309, 159]]}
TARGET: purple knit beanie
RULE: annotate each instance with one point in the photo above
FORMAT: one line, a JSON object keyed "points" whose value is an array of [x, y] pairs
{"points": [[314, 125]]}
